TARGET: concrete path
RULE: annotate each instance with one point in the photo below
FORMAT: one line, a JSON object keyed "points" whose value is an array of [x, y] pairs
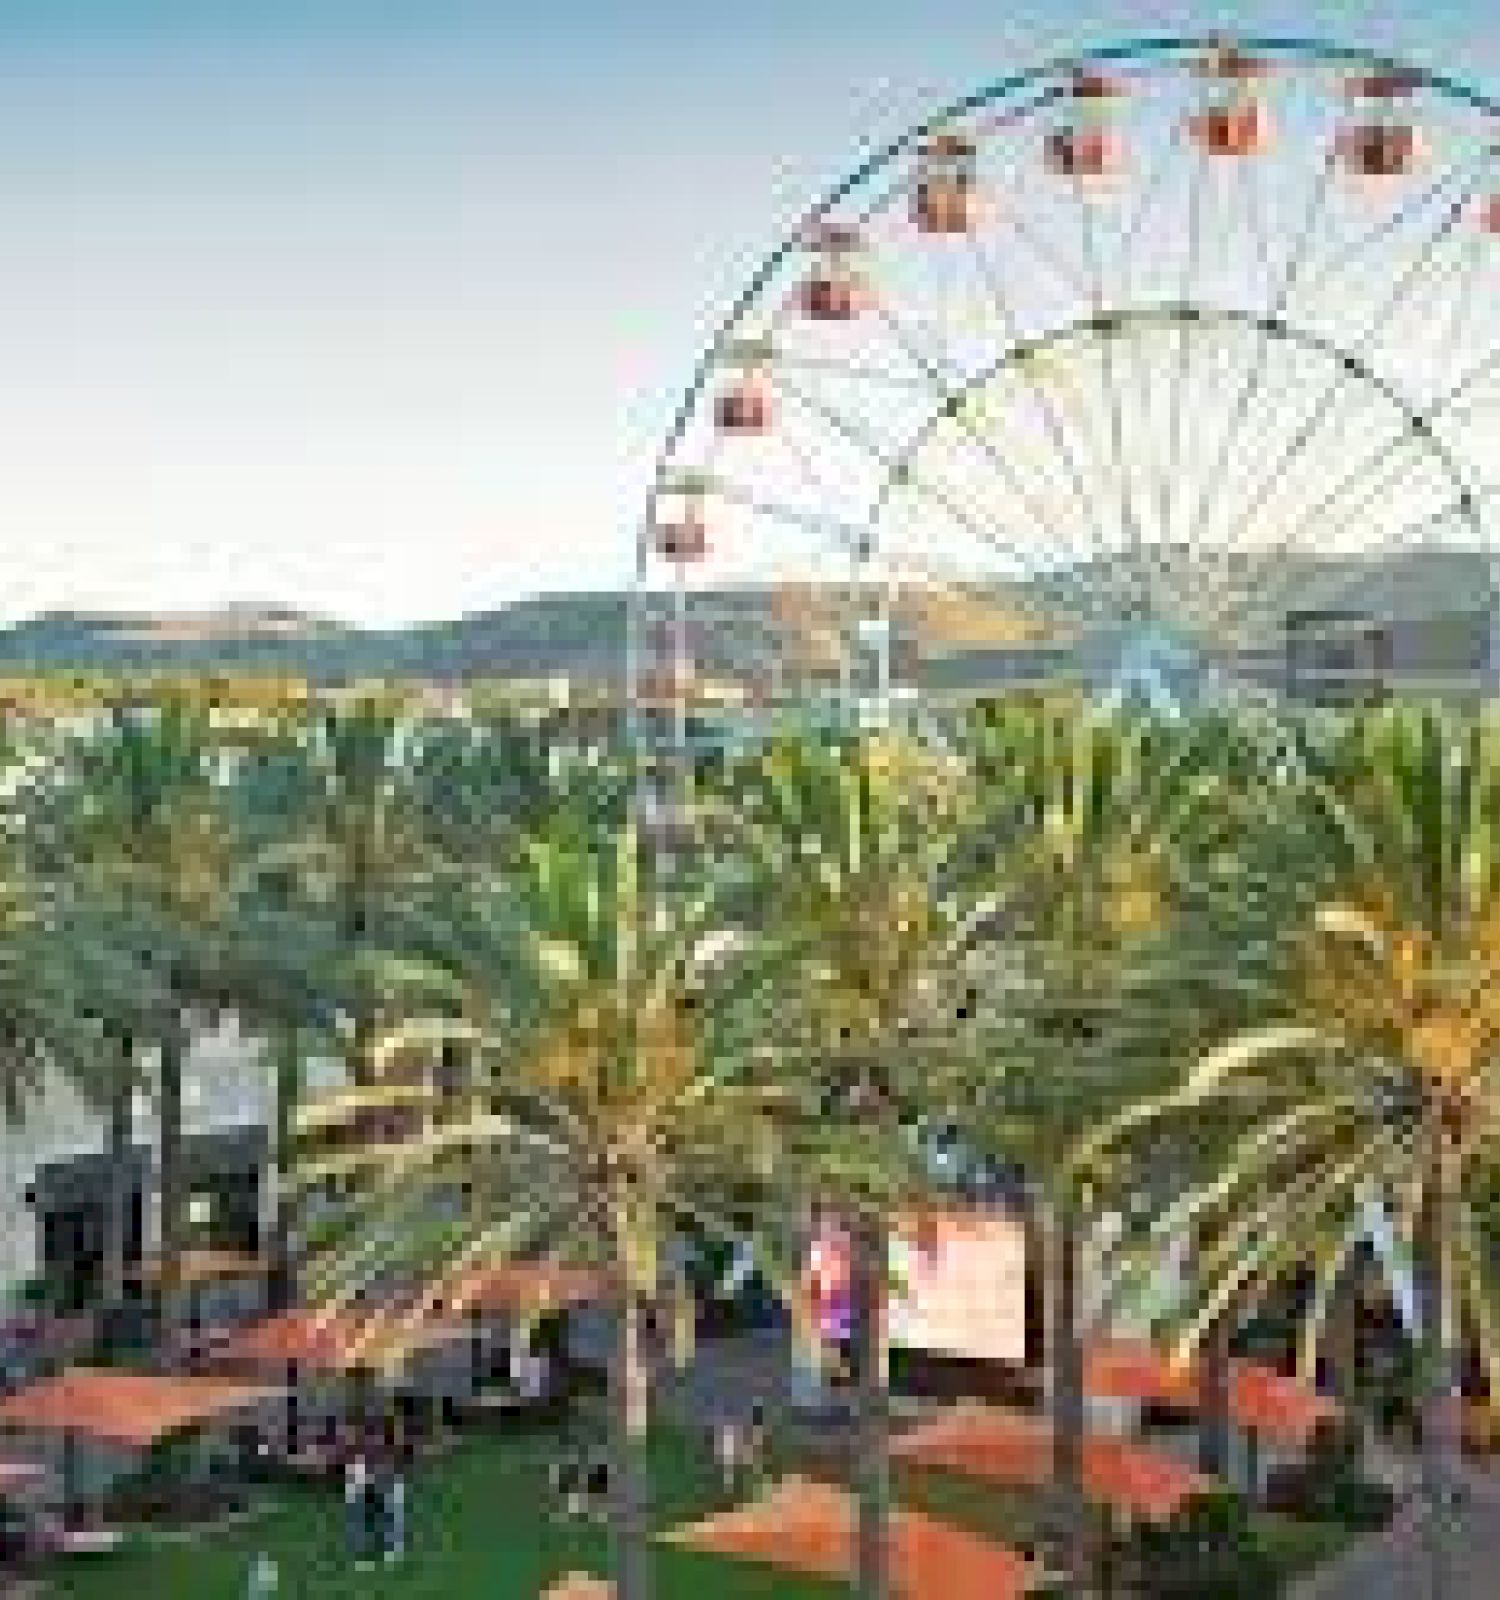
{"points": [[1398, 1564]]}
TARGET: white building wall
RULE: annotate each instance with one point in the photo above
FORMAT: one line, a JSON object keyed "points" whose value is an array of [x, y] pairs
{"points": [[226, 1085]]}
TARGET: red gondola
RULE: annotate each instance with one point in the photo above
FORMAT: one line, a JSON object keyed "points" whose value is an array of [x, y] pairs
{"points": [[1084, 152], [682, 527], [836, 290], [1086, 146], [1383, 142], [1237, 128], [945, 198], [1233, 122], [1489, 214], [1380, 149], [745, 406]]}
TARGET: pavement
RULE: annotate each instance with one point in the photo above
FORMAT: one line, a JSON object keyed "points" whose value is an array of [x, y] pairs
{"points": [[1459, 1559]]}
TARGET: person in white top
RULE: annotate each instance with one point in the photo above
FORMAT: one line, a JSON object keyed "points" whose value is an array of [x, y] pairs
{"points": [[729, 1448], [264, 1578]]}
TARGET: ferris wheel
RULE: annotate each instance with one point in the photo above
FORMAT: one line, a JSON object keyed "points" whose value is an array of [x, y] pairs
{"points": [[1180, 355]]}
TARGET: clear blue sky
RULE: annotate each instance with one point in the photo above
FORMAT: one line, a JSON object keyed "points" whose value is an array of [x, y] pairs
{"points": [[379, 308]]}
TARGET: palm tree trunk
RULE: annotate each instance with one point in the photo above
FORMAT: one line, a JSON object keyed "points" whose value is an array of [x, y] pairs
{"points": [[171, 1190], [117, 1207], [1215, 1422], [1069, 1412], [871, 1434], [288, 1066], [1215, 1425], [1441, 1394], [630, 1385]]}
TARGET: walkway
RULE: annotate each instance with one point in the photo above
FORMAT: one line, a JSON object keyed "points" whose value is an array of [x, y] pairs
{"points": [[1397, 1565]]}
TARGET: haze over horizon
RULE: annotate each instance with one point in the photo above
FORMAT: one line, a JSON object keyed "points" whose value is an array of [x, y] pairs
{"points": [[378, 310]]}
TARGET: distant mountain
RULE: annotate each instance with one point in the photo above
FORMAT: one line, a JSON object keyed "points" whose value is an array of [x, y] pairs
{"points": [[582, 635]]}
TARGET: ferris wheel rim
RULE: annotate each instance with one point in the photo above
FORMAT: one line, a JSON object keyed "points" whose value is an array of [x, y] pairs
{"points": [[1149, 48], [1168, 315]]}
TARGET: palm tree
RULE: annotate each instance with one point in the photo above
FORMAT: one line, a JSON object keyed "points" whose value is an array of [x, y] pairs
{"points": [[607, 1108], [1097, 836], [855, 849], [1373, 1075], [132, 832]]}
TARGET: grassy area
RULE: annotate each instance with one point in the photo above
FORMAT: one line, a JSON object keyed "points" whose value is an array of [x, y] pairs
{"points": [[479, 1526], [1299, 1547]]}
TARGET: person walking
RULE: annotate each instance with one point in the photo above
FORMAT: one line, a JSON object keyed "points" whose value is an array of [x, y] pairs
{"points": [[395, 1547], [729, 1450], [264, 1578], [358, 1509]]}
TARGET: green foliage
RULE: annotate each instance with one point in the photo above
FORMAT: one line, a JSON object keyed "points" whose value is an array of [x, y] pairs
{"points": [[1210, 1548]]}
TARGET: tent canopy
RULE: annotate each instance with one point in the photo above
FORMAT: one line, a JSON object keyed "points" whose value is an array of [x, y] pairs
{"points": [[128, 1408], [1012, 1447], [1261, 1400], [810, 1527]]}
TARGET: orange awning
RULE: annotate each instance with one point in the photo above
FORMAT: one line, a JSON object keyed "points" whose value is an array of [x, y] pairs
{"points": [[129, 1408], [1013, 1447], [1261, 1400], [810, 1527], [1134, 1370], [1267, 1402]]}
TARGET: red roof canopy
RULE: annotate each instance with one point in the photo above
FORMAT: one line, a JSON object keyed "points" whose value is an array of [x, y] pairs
{"points": [[129, 1408], [810, 1527], [1261, 1399], [1013, 1447]]}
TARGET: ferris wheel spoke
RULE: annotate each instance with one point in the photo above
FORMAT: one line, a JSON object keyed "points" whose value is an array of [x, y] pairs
{"points": [[948, 390], [1389, 228], [1311, 595], [1051, 417], [897, 470], [1255, 216], [1370, 475], [848, 536], [1098, 302], [1144, 386], [1327, 402], [1177, 389], [1444, 405], [1451, 340], [1047, 254], [1248, 390], [830, 366]]}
